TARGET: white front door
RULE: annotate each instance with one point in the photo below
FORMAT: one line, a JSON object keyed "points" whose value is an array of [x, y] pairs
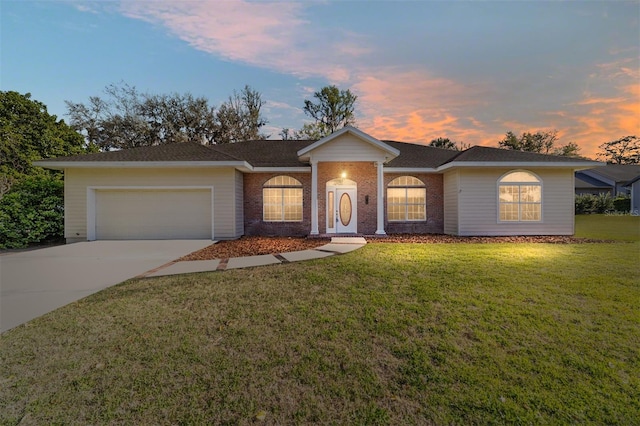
{"points": [[342, 211]]}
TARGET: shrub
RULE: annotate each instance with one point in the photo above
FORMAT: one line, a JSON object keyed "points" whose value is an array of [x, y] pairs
{"points": [[622, 203], [593, 204], [32, 212]]}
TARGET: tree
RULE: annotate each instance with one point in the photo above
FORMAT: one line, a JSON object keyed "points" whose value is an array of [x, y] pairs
{"points": [[446, 143], [625, 150], [126, 118], [333, 110], [543, 142], [239, 118], [32, 212], [29, 133]]}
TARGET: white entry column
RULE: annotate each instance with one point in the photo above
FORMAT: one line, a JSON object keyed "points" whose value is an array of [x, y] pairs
{"points": [[314, 197], [380, 197]]}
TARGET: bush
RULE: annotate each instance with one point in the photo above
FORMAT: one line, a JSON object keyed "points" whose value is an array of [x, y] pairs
{"points": [[593, 204], [32, 212], [622, 203], [602, 203]]}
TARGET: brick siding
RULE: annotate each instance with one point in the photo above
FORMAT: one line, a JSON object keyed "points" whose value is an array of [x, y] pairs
{"points": [[253, 223], [435, 206], [365, 176]]}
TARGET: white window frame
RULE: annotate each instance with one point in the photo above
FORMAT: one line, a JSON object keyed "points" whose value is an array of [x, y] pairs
{"points": [[406, 204], [282, 189], [519, 204]]}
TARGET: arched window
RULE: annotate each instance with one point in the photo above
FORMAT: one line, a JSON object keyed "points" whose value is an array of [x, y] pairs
{"points": [[406, 200], [520, 197], [282, 200]]}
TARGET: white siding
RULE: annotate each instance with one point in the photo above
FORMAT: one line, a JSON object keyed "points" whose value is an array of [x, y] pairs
{"points": [[348, 148], [239, 203], [77, 181], [450, 182], [478, 204]]}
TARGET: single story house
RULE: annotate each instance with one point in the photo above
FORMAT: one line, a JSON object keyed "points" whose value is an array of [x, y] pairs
{"points": [[345, 183], [609, 179]]}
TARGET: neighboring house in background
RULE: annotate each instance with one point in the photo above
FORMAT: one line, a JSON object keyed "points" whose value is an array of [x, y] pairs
{"points": [[610, 179], [634, 189], [345, 183]]}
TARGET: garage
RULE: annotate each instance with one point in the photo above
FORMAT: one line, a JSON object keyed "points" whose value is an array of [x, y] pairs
{"points": [[151, 214]]}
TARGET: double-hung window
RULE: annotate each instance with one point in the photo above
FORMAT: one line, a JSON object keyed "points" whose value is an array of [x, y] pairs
{"points": [[520, 197], [282, 200], [406, 200]]}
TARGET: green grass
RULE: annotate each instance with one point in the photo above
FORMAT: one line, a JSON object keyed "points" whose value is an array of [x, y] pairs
{"points": [[390, 334], [598, 226]]}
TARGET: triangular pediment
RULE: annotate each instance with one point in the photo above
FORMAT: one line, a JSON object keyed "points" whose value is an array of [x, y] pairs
{"points": [[348, 144]]}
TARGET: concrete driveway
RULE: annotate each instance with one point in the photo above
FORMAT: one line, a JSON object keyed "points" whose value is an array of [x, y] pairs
{"points": [[35, 282]]}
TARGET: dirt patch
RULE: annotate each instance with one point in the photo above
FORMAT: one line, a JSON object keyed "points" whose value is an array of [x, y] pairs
{"points": [[253, 246]]}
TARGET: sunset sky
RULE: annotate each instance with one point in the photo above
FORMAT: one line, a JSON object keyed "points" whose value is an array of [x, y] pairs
{"points": [[469, 71]]}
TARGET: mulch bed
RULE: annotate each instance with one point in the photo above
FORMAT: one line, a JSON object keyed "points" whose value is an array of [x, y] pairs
{"points": [[253, 246]]}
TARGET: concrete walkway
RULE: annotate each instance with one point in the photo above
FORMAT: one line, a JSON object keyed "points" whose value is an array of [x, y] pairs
{"points": [[338, 245], [35, 282]]}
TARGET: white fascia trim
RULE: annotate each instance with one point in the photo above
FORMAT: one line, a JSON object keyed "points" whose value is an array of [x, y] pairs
{"points": [[59, 165], [520, 164], [281, 169], [410, 170], [356, 132]]}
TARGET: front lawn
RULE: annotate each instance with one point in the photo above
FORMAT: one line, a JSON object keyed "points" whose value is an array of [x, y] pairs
{"points": [[389, 334], [613, 227]]}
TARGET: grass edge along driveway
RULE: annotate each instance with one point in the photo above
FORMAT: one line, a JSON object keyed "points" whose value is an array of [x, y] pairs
{"points": [[393, 333]]}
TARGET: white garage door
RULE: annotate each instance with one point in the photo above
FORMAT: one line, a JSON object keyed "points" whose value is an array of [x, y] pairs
{"points": [[153, 214]]}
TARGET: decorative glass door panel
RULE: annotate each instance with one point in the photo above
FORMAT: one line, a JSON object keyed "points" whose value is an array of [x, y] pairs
{"points": [[345, 209]]}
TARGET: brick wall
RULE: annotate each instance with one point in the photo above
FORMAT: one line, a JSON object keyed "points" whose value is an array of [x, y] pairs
{"points": [[365, 176], [435, 206], [253, 223]]}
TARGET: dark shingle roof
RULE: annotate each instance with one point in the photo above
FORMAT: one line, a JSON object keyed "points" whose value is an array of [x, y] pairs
{"points": [[267, 153], [416, 155], [587, 182], [168, 152], [618, 172], [279, 153], [488, 154]]}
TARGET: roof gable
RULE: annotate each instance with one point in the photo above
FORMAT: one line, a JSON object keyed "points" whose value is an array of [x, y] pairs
{"points": [[348, 141]]}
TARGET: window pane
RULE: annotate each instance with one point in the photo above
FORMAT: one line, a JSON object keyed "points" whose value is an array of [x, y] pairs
{"points": [[508, 193], [416, 195], [283, 181], [530, 212], [331, 208], [396, 195], [272, 213], [530, 193], [520, 177], [406, 181], [416, 212], [293, 213], [508, 212], [396, 212]]}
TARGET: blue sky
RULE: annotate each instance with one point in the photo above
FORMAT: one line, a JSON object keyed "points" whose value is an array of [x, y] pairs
{"points": [[469, 71]]}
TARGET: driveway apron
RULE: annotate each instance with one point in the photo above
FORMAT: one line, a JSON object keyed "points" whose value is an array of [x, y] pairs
{"points": [[33, 283]]}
